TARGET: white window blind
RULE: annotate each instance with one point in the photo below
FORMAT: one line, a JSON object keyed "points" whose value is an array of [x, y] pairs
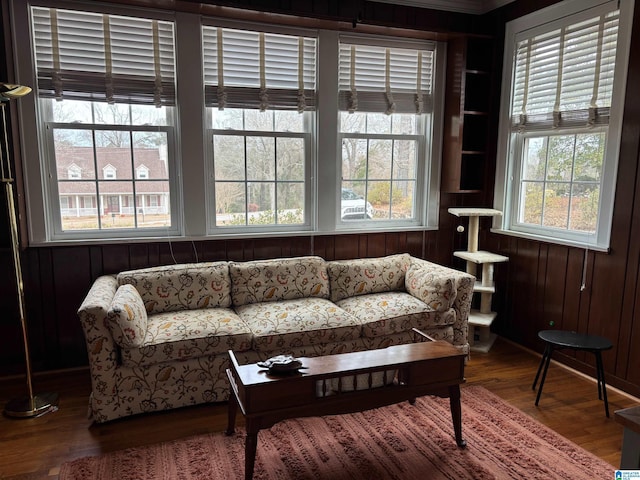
{"points": [[100, 57], [250, 69], [384, 79], [564, 77]]}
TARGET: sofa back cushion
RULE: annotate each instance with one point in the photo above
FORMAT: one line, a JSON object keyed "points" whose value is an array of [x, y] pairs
{"points": [[181, 287], [127, 317], [349, 278], [435, 288], [278, 279]]}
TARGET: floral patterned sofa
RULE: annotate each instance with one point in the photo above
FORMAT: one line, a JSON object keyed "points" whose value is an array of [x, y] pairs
{"points": [[158, 338]]}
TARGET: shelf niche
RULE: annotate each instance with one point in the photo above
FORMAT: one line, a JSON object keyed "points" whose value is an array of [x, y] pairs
{"points": [[467, 109]]}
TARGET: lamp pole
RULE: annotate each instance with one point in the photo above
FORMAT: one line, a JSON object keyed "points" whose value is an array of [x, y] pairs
{"points": [[32, 405]]}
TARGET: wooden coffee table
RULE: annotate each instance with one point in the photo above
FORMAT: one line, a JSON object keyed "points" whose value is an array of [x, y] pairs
{"points": [[403, 372]]}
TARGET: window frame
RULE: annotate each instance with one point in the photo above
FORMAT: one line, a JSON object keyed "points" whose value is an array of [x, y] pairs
{"points": [[309, 146], [52, 190], [510, 152], [423, 124], [191, 181]]}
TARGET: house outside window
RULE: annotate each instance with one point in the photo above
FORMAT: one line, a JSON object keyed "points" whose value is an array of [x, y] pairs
{"points": [[563, 92]]}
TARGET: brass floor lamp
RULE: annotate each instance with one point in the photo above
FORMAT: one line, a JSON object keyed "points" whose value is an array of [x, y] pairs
{"points": [[32, 405]]}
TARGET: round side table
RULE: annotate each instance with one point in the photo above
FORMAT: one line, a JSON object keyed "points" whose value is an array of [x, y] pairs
{"points": [[561, 339]]}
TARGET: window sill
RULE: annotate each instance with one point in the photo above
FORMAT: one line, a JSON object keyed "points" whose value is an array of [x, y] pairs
{"points": [[556, 241]]}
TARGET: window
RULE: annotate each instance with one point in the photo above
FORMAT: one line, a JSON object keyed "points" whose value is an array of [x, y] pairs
{"points": [[254, 150], [560, 129], [74, 172], [260, 94], [385, 105], [106, 94], [142, 173], [109, 172]]}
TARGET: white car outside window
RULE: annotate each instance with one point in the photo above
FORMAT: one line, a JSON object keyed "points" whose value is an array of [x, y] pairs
{"points": [[354, 206]]}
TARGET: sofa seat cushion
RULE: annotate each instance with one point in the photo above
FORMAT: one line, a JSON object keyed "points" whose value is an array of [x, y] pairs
{"points": [[279, 326], [278, 279], [188, 334], [393, 312], [349, 278], [181, 287]]}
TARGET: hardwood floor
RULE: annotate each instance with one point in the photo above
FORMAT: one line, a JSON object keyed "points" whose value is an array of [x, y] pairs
{"points": [[35, 448]]}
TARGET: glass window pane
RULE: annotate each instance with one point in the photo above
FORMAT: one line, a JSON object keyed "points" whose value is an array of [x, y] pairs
{"points": [[290, 203], [150, 115], [531, 209], [70, 111], [378, 123], [114, 162], [71, 136], [589, 157], [113, 138], [150, 155], [115, 213], [261, 158], [288, 121], [73, 159], [402, 200], [230, 203], [353, 122], [560, 157], [228, 157], [354, 158], [152, 204], [584, 207], [290, 158], [111, 114], [379, 159], [404, 159], [556, 205], [261, 203], [257, 120], [403, 124], [78, 205], [379, 194], [229, 118], [353, 205], [535, 158]]}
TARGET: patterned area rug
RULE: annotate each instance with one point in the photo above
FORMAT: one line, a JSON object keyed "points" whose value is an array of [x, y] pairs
{"points": [[401, 442]]}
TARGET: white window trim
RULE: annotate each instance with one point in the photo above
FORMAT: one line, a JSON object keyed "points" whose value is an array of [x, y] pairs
{"points": [[190, 205], [505, 172], [109, 172], [142, 169], [74, 172]]}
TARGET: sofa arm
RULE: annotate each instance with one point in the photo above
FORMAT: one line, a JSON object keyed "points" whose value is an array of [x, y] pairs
{"points": [[463, 283], [101, 348]]}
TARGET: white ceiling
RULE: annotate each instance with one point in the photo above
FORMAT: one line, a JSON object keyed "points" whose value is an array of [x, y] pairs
{"points": [[462, 6]]}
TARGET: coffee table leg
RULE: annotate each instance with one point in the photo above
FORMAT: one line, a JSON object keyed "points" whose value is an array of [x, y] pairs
{"points": [[231, 411], [250, 447], [456, 414]]}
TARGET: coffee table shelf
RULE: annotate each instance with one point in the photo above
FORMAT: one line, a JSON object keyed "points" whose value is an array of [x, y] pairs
{"points": [[407, 372]]}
